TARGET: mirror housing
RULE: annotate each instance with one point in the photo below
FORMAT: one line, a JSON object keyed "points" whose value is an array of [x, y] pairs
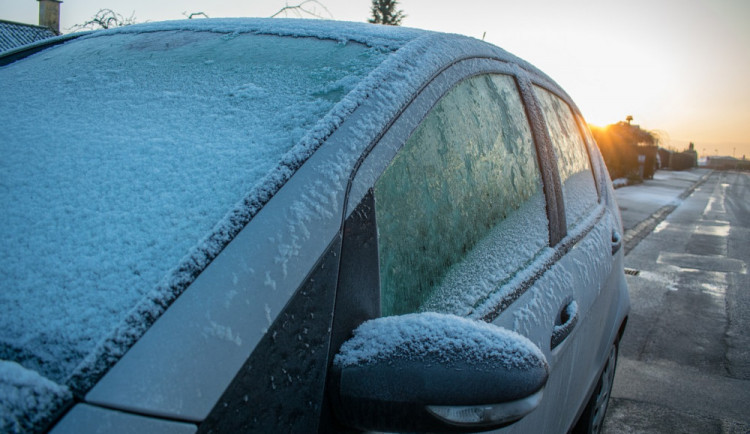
{"points": [[431, 372]]}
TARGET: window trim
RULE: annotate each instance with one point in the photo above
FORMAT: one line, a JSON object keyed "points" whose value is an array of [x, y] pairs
{"points": [[558, 227], [384, 147], [552, 160], [371, 165], [592, 148], [580, 124], [491, 308], [408, 296]]}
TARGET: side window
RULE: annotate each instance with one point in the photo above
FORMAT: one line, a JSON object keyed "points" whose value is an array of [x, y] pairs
{"points": [[593, 152], [579, 190], [460, 208]]}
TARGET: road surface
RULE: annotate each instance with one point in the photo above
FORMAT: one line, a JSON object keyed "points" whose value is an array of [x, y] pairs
{"points": [[684, 363]]}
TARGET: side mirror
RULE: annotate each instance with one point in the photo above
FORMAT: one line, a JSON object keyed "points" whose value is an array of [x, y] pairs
{"points": [[434, 372]]}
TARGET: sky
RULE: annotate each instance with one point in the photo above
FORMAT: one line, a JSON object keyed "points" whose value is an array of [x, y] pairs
{"points": [[679, 67]]}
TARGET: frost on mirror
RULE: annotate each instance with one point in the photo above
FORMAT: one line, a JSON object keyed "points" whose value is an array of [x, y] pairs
{"points": [[467, 180], [579, 190]]}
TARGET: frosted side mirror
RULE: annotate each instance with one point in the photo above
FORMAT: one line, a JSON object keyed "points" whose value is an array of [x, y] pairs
{"points": [[435, 372]]}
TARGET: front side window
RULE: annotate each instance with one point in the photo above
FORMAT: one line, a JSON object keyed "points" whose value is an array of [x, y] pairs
{"points": [[460, 208], [579, 190]]}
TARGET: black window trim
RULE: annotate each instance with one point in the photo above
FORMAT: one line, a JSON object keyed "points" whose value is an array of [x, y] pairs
{"points": [[547, 162]]}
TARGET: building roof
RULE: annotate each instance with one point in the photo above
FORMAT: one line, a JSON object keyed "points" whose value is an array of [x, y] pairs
{"points": [[13, 35]]}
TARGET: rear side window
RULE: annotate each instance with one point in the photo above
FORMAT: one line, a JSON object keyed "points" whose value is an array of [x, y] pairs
{"points": [[579, 190], [460, 208]]}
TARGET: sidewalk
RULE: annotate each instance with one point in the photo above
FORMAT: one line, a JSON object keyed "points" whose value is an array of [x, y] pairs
{"points": [[644, 206]]}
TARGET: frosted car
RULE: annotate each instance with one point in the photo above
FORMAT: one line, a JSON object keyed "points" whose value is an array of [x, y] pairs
{"points": [[300, 226]]}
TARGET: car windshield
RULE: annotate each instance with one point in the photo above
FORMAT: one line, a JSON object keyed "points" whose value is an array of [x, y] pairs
{"points": [[129, 160]]}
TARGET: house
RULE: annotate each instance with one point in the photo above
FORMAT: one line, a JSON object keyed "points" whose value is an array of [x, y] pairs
{"points": [[13, 35]]}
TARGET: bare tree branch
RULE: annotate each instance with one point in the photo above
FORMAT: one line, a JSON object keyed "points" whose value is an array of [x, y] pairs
{"points": [[194, 14], [303, 9], [105, 19]]}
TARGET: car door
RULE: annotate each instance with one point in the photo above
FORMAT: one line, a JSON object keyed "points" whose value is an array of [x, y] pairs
{"points": [[450, 213]]}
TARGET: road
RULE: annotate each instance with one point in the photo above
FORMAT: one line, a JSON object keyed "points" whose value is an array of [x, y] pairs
{"points": [[684, 364]]}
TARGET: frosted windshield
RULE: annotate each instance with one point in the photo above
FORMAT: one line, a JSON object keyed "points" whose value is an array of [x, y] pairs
{"points": [[122, 155]]}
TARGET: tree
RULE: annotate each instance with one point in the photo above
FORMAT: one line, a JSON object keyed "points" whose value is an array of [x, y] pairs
{"points": [[621, 143], [105, 19], [385, 12]]}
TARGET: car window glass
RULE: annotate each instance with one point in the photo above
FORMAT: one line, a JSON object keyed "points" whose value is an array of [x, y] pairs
{"points": [[579, 190], [160, 146], [460, 207]]}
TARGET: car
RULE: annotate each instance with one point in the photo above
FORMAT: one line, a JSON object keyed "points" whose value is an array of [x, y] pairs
{"points": [[272, 225]]}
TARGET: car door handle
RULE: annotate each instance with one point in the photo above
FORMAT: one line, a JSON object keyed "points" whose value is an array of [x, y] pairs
{"points": [[616, 241], [566, 321]]}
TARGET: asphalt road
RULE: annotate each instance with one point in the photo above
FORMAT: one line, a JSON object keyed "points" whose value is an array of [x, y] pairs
{"points": [[684, 364]]}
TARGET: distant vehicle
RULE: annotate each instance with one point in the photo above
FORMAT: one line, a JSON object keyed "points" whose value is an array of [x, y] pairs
{"points": [[251, 225]]}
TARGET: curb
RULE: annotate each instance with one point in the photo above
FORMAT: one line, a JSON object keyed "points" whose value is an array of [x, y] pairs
{"points": [[634, 236]]}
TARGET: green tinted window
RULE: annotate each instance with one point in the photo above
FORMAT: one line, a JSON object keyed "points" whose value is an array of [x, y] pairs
{"points": [[452, 203], [579, 190]]}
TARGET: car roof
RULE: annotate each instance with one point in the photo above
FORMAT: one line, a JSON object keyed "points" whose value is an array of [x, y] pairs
{"points": [[389, 37]]}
